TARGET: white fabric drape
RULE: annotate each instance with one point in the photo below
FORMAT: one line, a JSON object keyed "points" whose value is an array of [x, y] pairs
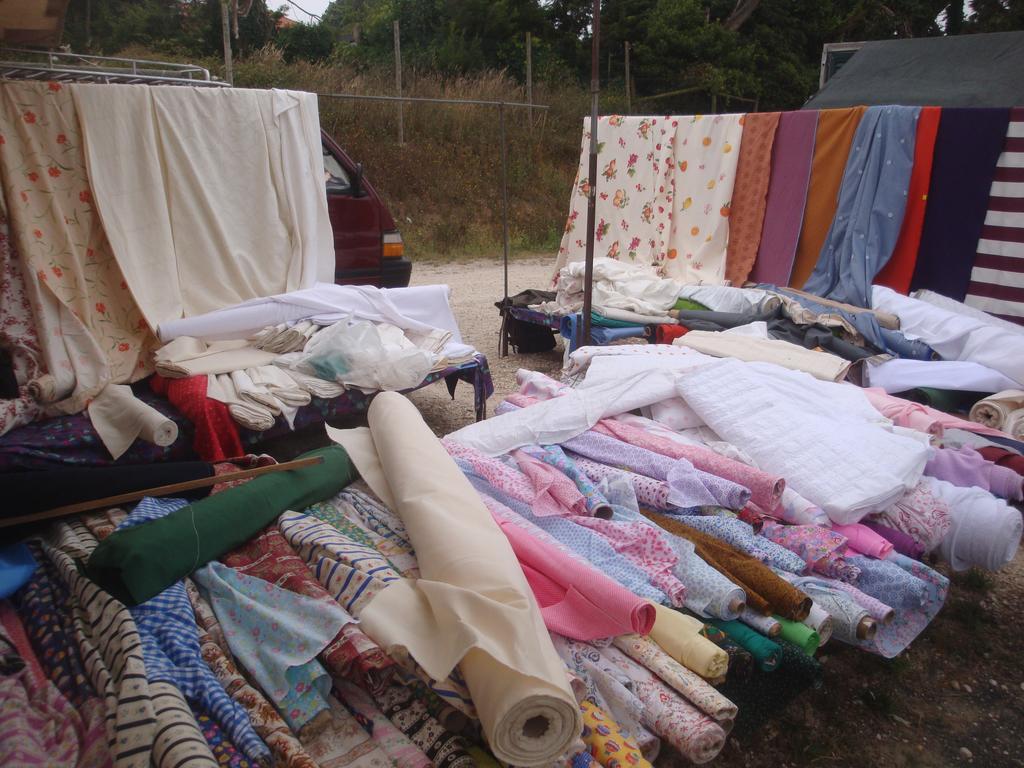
{"points": [[209, 196]]}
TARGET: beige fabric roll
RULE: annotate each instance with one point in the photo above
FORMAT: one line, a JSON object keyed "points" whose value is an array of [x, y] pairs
{"points": [[1015, 425], [472, 607], [188, 356], [679, 636], [996, 410], [119, 418], [821, 365], [821, 622]]}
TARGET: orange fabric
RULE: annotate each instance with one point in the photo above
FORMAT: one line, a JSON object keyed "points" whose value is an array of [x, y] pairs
{"points": [[750, 194], [836, 128], [899, 270]]}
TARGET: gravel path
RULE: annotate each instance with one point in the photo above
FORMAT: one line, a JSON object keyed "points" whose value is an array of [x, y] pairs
{"points": [[955, 698]]}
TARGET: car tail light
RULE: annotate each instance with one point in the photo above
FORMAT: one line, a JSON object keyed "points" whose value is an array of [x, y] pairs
{"points": [[394, 248]]}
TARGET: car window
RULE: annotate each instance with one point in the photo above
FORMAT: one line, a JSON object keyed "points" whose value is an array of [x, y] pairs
{"points": [[334, 175]]}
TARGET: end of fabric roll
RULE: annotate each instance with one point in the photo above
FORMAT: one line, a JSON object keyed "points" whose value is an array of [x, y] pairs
{"points": [[535, 732]]}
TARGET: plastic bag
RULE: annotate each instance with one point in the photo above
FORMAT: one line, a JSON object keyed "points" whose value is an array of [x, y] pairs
{"points": [[356, 354]]}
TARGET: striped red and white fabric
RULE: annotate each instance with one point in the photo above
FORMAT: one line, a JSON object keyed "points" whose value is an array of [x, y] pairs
{"points": [[997, 279]]}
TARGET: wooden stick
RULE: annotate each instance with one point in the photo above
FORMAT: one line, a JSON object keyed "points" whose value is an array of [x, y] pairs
{"points": [[160, 490]]}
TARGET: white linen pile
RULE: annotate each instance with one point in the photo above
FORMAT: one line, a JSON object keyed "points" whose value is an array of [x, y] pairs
{"points": [[740, 346], [1003, 411], [725, 298], [825, 439], [955, 336], [617, 285], [255, 397], [284, 338], [899, 375], [938, 300], [187, 356]]}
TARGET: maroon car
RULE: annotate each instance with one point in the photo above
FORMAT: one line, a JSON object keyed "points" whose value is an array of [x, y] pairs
{"points": [[368, 249]]}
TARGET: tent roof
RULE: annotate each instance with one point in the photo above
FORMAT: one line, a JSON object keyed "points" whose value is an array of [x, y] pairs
{"points": [[960, 71], [32, 22]]}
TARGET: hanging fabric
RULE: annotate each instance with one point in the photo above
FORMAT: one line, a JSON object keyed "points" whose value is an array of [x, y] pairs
{"points": [[832, 141], [872, 200], [966, 150], [792, 154], [750, 194], [997, 280], [900, 268]]}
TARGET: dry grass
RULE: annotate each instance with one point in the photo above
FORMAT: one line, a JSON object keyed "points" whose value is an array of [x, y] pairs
{"points": [[443, 186]]}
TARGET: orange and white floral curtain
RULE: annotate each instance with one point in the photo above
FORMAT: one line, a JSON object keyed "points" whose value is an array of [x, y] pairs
{"points": [[664, 191], [90, 329]]}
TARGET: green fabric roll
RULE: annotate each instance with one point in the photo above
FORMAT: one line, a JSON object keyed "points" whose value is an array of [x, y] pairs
{"points": [[690, 304], [766, 653], [135, 564], [800, 635], [610, 322]]}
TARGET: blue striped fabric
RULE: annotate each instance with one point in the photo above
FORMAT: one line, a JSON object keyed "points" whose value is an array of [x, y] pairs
{"points": [[170, 648]]}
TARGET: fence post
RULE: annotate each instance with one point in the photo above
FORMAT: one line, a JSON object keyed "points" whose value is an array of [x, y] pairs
{"points": [[629, 88], [225, 23], [398, 84], [529, 79], [504, 190]]}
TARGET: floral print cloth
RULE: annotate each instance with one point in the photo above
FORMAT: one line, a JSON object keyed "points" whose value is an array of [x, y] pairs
{"points": [[277, 635], [663, 194], [915, 592], [396, 745], [921, 514], [335, 513], [343, 743], [351, 655], [18, 333], [224, 752], [697, 737], [286, 749], [687, 683], [596, 503], [822, 549], [550, 482], [68, 262]]}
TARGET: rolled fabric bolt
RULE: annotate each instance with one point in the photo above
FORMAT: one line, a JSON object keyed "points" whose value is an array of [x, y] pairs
{"points": [[737, 606], [800, 635], [866, 629], [766, 625], [766, 653], [821, 622]]}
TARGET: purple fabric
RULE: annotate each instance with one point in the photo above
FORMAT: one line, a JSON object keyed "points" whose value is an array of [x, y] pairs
{"points": [[966, 150], [688, 486], [787, 194], [901, 542], [965, 467]]}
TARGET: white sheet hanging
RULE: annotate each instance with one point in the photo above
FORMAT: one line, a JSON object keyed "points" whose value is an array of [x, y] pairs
{"points": [[209, 196]]}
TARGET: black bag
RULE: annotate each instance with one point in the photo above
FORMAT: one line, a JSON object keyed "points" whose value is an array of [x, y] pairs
{"points": [[528, 337]]}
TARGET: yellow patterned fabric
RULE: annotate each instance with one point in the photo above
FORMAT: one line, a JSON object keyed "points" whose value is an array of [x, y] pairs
{"points": [[605, 741]]}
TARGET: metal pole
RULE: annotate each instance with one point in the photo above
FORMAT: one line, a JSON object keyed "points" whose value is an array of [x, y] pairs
{"points": [[595, 88], [398, 84], [225, 23], [529, 77], [504, 190], [629, 89]]}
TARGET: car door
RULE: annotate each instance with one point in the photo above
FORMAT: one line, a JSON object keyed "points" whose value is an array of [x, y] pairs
{"points": [[355, 221]]}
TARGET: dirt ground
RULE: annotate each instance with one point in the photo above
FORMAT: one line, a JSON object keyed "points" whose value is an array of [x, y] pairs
{"points": [[955, 697]]}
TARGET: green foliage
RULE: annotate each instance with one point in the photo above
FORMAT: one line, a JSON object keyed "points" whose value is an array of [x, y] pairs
{"points": [[305, 41]]}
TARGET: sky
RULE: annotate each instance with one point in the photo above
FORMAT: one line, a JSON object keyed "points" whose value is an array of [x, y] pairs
{"points": [[311, 6]]}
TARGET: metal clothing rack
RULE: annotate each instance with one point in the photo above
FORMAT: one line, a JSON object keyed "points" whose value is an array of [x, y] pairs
{"points": [[24, 64]]}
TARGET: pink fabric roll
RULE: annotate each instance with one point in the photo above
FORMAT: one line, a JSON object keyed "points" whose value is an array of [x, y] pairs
{"points": [[765, 489], [553, 486], [900, 409], [864, 540], [576, 600]]}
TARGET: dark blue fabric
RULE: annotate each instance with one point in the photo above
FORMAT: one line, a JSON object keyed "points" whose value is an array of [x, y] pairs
{"points": [[966, 150], [16, 567], [571, 329]]}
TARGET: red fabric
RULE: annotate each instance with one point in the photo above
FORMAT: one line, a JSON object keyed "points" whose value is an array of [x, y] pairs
{"points": [[900, 268], [665, 334], [576, 600], [216, 436], [1004, 458]]}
